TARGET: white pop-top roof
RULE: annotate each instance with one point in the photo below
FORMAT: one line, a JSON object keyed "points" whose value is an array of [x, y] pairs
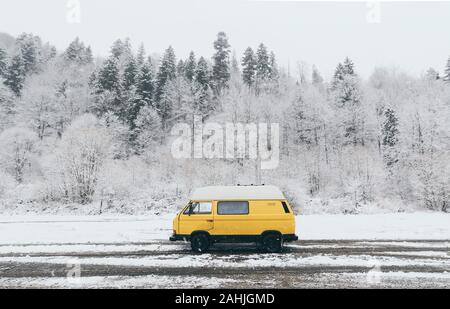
{"points": [[227, 193]]}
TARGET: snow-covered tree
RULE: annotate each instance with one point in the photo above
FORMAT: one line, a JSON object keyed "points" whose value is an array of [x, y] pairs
{"points": [[145, 86], [221, 62], [190, 67], [249, 67], [390, 134], [17, 147], [447, 71], [15, 75], [148, 129], [78, 53], [80, 154], [167, 73], [3, 62], [263, 68]]}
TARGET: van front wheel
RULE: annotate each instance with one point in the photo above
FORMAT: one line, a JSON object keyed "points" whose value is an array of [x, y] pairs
{"points": [[272, 243], [200, 243]]}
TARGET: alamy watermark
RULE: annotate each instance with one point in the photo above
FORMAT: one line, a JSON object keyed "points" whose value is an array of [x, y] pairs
{"points": [[211, 140], [74, 271], [73, 15]]}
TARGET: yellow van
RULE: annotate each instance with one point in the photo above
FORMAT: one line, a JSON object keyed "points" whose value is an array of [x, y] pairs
{"points": [[244, 214]]}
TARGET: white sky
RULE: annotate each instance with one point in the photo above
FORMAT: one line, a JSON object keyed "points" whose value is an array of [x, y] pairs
{"points": [[411, 36]]}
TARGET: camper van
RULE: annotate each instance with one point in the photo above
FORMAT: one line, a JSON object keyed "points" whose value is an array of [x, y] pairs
{"points": [[245, 214]]}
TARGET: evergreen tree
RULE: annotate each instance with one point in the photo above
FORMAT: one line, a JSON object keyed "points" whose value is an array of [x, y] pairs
{"points": [[109, 76], [3, 63], [202, 73], [15, 75], [78, 53], [390, 137], [249, 67], [190, 67], [390, 128], [121, 48], [263, 70], [145, 84], [447, 71], [180, 68], [348, 67], [129, 74], [338, 76], [140, 58], [29, 49], [88, 56], [167, 72], [221, 62], [273, 66]]}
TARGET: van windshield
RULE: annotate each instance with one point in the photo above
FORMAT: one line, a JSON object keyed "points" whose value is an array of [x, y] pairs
{"points": [[197, 208]]}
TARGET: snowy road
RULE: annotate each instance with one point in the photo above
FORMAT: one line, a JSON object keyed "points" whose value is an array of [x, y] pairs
{"points": [[350, 264], [130, 252]]}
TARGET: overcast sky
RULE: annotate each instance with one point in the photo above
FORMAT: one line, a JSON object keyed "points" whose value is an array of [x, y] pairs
{"points": [[412, 36]]}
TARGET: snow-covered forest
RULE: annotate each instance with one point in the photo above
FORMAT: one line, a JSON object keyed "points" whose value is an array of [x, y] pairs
{"points": [[92, 135]]}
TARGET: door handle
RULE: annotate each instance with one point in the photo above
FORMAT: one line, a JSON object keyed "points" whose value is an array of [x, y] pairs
{"points": [[209, 220]]}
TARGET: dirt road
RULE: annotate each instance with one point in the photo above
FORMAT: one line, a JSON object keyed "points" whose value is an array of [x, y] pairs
{"points": [[303, 264]]}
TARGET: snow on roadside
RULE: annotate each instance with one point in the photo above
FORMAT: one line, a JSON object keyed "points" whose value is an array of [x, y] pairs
{"points": [[151, 281], [136, 229], [234, 261]]}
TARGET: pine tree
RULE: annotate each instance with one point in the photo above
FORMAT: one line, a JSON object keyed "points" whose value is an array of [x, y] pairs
{"points": [[390, 137], [15, 75], [262, 63], [167, 72], [109, 76], [447, 71], [129, 74], [221, 62], [273, 66], [348, 67], [29, 49], [180, 68], [121, 48], [339, 75], [3, 63], [75, 52], [249, 67], [145, 84], [390, 128], [190, 67], [88, 56], [140, 58], [202, 73]]}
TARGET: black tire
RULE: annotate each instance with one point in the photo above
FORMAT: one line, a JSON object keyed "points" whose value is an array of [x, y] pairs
{"points": [[200, 243], [272, 243]]}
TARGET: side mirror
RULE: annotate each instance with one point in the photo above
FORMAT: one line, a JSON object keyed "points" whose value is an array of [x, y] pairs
{"points": [[190, 210]]}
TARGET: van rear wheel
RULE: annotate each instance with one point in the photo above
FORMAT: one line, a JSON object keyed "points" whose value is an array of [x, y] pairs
{"points": [[200, 243], [272, 243]]}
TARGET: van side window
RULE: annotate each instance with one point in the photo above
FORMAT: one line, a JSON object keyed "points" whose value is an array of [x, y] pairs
{"points": [[285, 207], [232, 208], [199, 208]]}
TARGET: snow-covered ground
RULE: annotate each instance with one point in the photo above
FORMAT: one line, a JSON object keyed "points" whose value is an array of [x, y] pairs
{"points": [[388, 250], [125, 229]]}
